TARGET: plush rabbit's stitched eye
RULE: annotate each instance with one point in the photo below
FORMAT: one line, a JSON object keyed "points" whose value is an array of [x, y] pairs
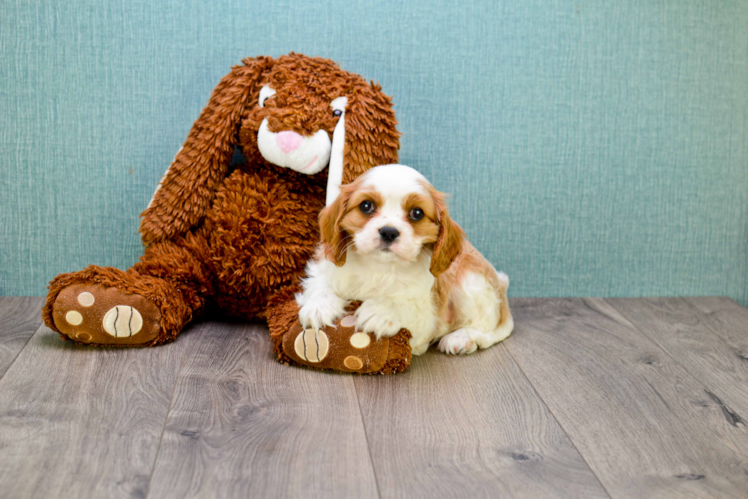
{"points": [[337, 112], [265, 93]]}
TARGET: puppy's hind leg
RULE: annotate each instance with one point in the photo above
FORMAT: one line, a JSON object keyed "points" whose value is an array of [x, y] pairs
{"points": [[487, 339], [459, 342], [484, 312], [505, 325]]}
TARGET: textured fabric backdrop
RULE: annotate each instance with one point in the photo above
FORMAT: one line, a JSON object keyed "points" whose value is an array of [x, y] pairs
{"points": [[592, 148]]}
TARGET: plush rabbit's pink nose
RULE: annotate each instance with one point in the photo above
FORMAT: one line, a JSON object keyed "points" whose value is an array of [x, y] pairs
{"points": [[288, 141]]}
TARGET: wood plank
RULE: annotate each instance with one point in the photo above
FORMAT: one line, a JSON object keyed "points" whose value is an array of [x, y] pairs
{"points": [[708, 336], [646, 427], [468, 427], [84, 421], [243, 425], [19, 319]]}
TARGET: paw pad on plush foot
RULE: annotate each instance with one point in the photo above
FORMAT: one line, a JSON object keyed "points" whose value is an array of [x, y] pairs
{"points": [[96, 314], [122, 321], [311, 345], [341, 346]]}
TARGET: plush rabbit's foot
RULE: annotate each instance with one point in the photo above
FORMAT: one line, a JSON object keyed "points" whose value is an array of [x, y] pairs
{"points": [[95, 314], [340, 346]]}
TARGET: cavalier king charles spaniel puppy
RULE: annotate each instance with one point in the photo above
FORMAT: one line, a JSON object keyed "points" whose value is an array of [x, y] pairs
{"points": [[388, 241]]}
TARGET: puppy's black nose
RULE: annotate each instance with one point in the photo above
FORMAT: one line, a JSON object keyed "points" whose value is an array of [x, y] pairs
{"points": [[389, 234]]}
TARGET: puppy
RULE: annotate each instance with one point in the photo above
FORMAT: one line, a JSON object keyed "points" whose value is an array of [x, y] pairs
{"points": [[387, 240]]}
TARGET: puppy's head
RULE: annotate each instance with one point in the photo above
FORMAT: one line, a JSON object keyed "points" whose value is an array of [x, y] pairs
{"points": [[391, 213]]}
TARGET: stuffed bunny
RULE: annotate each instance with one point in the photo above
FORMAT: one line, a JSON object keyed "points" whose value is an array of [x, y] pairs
{"points": [[236, 241]]}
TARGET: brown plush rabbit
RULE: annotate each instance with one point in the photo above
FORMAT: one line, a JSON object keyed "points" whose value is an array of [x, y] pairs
{"points": [[236, 240]]}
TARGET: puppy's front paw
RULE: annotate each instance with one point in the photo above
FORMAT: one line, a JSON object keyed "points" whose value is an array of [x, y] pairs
{"points": [[376, 317], [321, 310], [457, 342]]}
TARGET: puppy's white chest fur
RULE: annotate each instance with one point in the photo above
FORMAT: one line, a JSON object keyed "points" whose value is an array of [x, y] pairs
{"points": [[395, 295], [363, 278]]}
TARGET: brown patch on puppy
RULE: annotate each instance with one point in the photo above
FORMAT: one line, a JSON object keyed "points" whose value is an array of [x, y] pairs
{"points": [[368, 194], [333, 236], [354, 219], [343, 218], [469, 260], [447, 246], [450, 236], [427, 229]]}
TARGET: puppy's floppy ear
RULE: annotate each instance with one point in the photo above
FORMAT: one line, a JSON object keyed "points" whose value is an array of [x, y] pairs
{"points": [[334, 237], [449, 241], [187, 189], [368, 128]]}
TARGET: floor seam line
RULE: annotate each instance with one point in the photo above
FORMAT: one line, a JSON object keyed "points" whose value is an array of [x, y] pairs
{"points": [[366, 437], [699, 382], [163, 430], [535, 390], [15, 358]]}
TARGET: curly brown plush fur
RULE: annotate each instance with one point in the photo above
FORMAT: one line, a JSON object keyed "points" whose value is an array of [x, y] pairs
{"points": [[236, 241]]}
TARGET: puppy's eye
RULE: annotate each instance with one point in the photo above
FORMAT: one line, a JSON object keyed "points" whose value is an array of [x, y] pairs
{"points": [[337, 112], [416, 214], [366, 207]]}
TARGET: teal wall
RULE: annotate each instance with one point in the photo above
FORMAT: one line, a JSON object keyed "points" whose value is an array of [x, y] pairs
{"points": [[593, 148]]}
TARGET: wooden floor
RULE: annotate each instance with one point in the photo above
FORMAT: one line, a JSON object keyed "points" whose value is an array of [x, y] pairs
{"points": [[588, 398]]}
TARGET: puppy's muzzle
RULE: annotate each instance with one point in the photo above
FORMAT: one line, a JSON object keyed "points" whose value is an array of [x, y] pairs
{"points": [[388, 234]]}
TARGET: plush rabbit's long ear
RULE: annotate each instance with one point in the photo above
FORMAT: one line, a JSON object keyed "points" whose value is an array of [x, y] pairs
{"points": [[365, 136], [188, 186]]}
